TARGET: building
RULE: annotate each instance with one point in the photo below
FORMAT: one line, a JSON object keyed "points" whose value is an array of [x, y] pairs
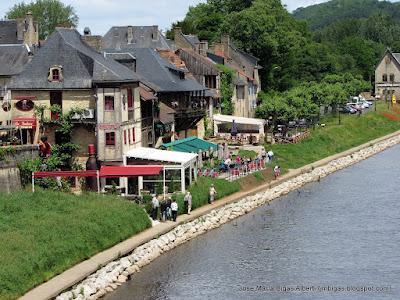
{"points": [[247, 81], [387, 76], [19, 39], [69, 73], [128, 37]]}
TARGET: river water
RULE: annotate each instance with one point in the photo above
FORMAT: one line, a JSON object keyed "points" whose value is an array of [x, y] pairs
{"points": [[337, 239]]}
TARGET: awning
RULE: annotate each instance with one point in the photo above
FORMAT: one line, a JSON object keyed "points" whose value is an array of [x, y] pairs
{"points": [[89, 173], [145, 95], [239, 120], [191, 145], [129, 171], [25, 122], [162, 155]]}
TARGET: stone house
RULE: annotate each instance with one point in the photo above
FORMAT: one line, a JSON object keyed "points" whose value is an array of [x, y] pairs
{"points": [[247, 83], [69, 73], [387, 76], [19, 39]]}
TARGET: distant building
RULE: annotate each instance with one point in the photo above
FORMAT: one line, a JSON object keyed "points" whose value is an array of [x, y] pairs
{"points": [[387, 76], [128, 37], [69, 73], [20, 31]]}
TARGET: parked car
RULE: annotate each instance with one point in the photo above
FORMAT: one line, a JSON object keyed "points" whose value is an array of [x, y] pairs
{"points": [[356, 106], [348, 110]]}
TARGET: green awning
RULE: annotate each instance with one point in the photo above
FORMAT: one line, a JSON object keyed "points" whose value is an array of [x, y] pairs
{"points": [[190, 145]]}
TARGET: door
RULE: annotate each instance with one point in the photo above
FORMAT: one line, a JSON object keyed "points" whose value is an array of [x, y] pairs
{"points": [[55, 99]]}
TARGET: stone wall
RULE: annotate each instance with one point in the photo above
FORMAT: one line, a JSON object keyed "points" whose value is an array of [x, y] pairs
{"points": [[119, 271], [9, 173]]}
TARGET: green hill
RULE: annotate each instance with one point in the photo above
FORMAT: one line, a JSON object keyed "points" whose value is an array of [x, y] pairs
{"points": [[321, 15]]}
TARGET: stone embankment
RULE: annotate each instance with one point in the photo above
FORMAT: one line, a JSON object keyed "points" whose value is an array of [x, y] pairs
{"points": [[114, 274]]}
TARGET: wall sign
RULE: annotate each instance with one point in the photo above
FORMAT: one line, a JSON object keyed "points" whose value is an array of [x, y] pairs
{"points": [[25, 105], [109, 126]]}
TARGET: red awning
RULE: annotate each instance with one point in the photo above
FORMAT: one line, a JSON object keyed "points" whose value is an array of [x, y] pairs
{"points": [[89, 173], [25, 122], [129, 171]]}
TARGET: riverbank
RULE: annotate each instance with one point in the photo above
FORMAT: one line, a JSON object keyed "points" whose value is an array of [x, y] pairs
{"points": [[44, 233], [206, 218]]}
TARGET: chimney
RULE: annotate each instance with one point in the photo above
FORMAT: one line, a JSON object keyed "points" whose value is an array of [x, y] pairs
{"points": [[177, 33], [154, 32], [31, 33], [87, 32], [202, 48], [130, 35], [226, 42]]}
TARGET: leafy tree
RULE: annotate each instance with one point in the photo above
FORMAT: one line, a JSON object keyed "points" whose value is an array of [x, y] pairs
{"points": [[48, 13]]}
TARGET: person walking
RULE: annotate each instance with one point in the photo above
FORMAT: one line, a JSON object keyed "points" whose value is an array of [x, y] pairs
{"points": [[155, 205], [174, 210], [270, 155], [277, 171], [213, 193], [188, 202], [163, 210], [168, 209], [263, 153]]}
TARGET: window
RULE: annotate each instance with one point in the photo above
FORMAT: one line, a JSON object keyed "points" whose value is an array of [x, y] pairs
{"points": [[384, 77], [240, 92], [109, 103], [133, 135], [55, 73], [110, 138], [130, 99], [210, 81], [129, 136], [391, 77], [125, 137]]}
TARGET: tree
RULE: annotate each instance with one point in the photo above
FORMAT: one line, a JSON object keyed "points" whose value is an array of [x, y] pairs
{"points": [[48, 13]]}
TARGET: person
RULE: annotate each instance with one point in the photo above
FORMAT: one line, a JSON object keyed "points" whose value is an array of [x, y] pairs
{"points": [[163, 210], [168, 209], [155, 204], [238, 159], [277, 171], [58, 179], [270, 155], [263, 153], [188, 202], [44, 147], [228, 162], [174, 210], [213, 192]]}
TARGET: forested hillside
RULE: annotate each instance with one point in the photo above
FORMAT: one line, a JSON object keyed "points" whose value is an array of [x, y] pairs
{"points": [[302, 69], [320, 15]]}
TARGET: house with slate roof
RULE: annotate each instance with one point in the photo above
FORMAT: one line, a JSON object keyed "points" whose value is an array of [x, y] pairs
{"points": [[18, 41], [387, 76], [69, 73], [180, 98]]}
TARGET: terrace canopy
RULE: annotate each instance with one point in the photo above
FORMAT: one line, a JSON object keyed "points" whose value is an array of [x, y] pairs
{"points": [[223, 124], [175, 165], [190, 145]]}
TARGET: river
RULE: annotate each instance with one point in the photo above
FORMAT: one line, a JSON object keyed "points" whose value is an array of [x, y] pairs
{"points": [[336, 239]]}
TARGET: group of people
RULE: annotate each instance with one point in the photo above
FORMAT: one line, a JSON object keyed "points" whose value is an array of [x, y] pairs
{"points": [[169, 208]]}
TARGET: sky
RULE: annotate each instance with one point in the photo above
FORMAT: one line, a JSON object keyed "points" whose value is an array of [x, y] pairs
{"points": [[100, 15]]}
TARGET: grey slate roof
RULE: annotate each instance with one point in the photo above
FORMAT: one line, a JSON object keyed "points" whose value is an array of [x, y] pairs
{"points": [[162, 75], [143, 37], [9, 32], [82, 65], [191, 39], [13, 59]]}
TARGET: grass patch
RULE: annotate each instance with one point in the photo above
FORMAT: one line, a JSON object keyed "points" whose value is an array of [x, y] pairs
{"points": [[334, 138], [200, 191], [248, 154], [258, 176], [45, 233]]}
